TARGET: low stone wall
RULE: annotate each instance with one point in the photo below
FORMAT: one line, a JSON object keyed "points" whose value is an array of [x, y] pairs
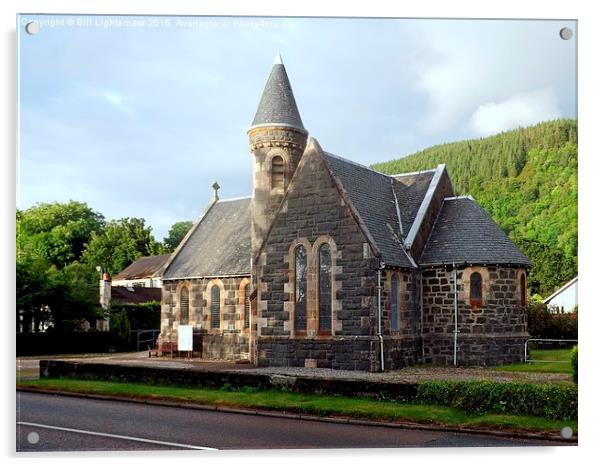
{"points": [[234, 379]]}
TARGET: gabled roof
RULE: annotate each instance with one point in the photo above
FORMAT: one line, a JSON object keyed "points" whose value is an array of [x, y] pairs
{"points": [[413, 188], [219, 244], [277, 105], [378, 199], [137, 294], [465, 234], [388, 209], [560, 290], [429, 207], [144, 267]]}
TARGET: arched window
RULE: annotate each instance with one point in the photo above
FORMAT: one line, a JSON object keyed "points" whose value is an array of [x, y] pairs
{"points": [[523, 290], [247, 306], [277, 172], [476, 289], [394, 302], [215, 307], [184, 306], [325, 290], [300, 289]]}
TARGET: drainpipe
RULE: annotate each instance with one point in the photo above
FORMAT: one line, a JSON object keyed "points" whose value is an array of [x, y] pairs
{"points": [[455, 315], [421, 304], [379, 318]]}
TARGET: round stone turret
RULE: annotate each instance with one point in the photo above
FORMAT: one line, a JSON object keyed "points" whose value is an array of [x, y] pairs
{"points": [[277, 140]]}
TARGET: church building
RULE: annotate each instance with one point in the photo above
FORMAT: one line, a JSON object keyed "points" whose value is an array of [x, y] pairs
{"points": [[331, 264]]}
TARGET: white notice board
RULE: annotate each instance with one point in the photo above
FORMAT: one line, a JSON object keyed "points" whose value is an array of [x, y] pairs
{"points": [[185, 338]]}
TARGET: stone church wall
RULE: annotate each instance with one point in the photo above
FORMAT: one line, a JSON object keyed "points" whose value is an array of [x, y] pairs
{"points": [[312, 214], [402, 346], [231, 340], [490, 334]]}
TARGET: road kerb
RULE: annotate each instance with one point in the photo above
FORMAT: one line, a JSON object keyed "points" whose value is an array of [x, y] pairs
{"points": [[266, 413]]}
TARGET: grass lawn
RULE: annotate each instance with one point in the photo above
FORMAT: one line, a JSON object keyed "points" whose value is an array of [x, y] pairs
{"points": [[356, 407], [561, 362], [28, 373]]}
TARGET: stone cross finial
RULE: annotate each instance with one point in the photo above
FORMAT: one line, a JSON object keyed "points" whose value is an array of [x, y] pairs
{"points": [[215, 187]]}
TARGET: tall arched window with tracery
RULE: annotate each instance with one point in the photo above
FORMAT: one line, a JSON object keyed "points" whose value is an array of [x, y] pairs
{"points": [[215, 307], [476, 289], [184, 307], [394, 302], [300, 289], [277, 172], [325, 290], [523, 290], [247, 305]]}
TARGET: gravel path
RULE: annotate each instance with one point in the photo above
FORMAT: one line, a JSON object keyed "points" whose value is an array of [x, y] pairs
{"points": [[408, 374], [417, 374]]}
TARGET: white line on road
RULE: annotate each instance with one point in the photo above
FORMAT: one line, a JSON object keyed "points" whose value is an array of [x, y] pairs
{"points": [[122, 437]]}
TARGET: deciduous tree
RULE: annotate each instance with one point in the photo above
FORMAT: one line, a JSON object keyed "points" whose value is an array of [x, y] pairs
{"points": [[176, 234], [121, 242], [57, 232]]}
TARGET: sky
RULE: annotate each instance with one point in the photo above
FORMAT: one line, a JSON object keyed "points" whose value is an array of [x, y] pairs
{"points": [[138, 116]]}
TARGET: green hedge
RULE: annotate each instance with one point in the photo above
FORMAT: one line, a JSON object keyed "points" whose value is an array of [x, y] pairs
{"points": [[542, 324], [549, 401], [574, 363], [33, 344], [143, 316]]}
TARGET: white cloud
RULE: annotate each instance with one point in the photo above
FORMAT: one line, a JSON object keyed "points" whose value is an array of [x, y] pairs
{"points": [[117, 101], [519, 110], [462, 66]]}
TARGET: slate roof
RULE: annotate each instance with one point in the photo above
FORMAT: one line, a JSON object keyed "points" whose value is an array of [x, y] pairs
{"points": [[371, 193], [465, 233], [144, 267], [218, 245], [411, 190], [277, 103], [137, 294]]}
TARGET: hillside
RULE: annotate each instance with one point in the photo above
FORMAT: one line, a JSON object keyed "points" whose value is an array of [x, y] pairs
{"points": [[527, 180]]}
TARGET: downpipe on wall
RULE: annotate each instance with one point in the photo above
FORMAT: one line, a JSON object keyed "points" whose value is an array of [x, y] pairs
{"points": [[421, 304], [455, 315], [379, 318]]}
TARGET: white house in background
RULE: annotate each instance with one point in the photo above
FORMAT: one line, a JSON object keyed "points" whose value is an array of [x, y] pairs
{"points": [[564, 299]]}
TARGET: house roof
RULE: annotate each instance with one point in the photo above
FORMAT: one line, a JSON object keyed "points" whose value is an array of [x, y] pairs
{"points": [[219, 244], [144, 267], [277, 104], [137, 294], [560, 290], [382, 201], [465, 234]]}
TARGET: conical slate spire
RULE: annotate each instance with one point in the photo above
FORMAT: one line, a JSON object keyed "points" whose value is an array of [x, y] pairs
{"points": [[277, 105]]}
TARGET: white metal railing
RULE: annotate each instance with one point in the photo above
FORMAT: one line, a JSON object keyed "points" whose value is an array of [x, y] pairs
{"points": [[546, 340]]}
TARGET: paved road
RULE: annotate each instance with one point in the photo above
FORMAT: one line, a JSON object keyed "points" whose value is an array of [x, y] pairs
{"points": [[60, 423]]}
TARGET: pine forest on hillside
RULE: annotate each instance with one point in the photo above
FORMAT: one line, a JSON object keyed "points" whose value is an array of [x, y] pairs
{"points": [[527, 180]]}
